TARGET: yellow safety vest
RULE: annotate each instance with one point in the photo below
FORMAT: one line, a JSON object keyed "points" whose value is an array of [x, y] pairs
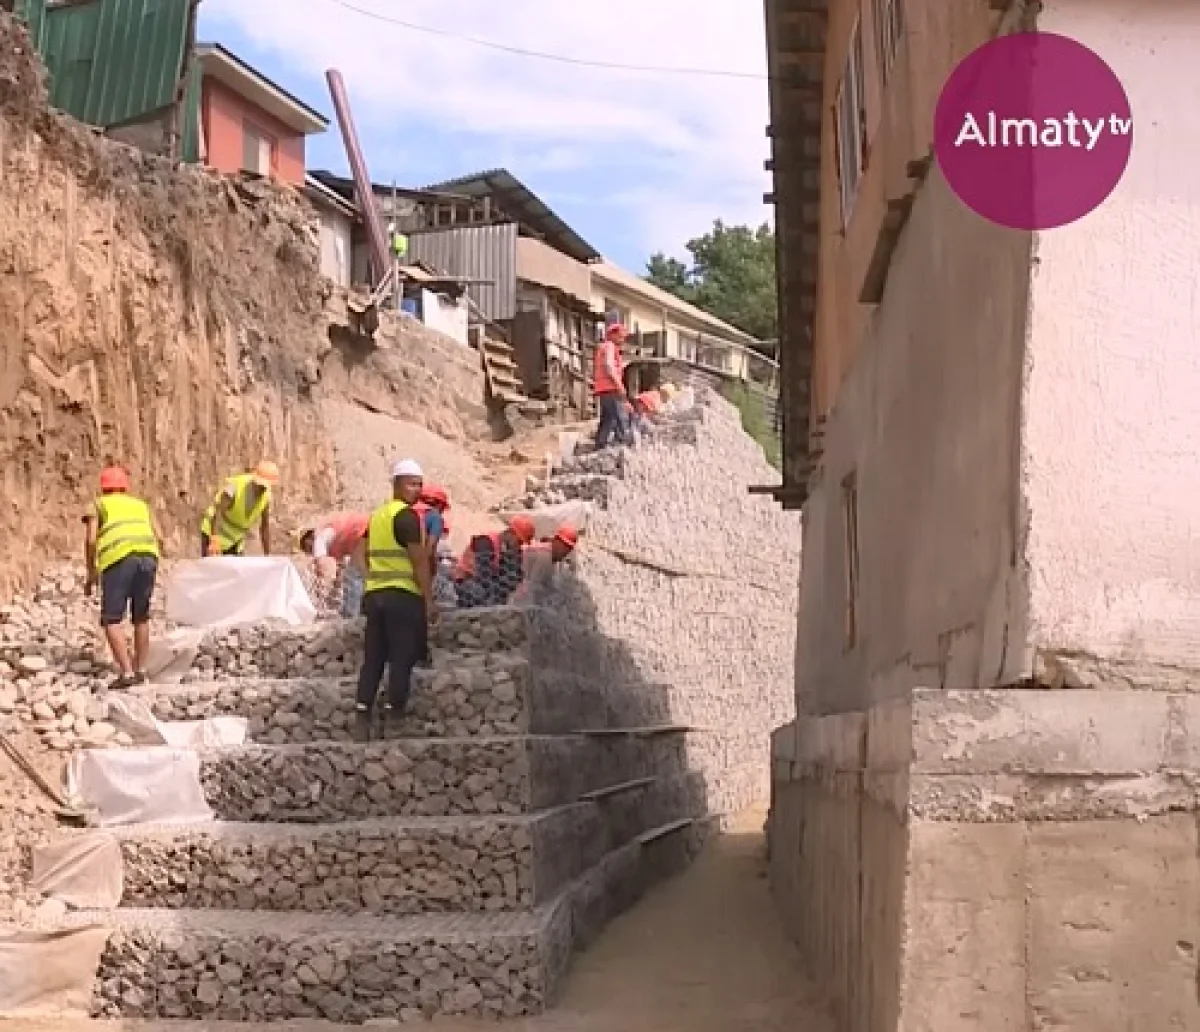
{"points": [[123, 529], [237, 520], [388, 564]]}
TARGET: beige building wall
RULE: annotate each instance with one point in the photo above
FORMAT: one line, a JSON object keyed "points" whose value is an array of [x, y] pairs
{"points": [[984, 816]]}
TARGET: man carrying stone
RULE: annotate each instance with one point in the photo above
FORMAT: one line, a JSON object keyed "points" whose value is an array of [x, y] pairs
{"points": [[398, 601], [492, 566], [121, 548], [332, 545]]}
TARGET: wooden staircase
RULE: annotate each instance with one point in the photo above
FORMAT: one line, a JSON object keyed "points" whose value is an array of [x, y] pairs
{"points": [[500, 369]]}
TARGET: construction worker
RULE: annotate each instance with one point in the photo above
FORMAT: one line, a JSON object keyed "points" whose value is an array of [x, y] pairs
{"points": [[399, 598], [332, 545], [432, 506], [492, 565], [242, 503], [608, 385], [641, 412], [540, 558], [121, 549]]}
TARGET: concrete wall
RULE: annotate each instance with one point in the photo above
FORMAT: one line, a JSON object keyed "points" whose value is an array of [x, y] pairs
{"points": [[927, 423], [1111, 434], [225, 113], [541, 264], [337, 232]]}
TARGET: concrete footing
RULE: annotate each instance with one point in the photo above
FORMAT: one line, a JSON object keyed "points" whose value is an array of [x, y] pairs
{"points": [[995, 861]]}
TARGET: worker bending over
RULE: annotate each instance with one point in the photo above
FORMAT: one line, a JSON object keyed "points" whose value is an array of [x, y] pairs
{"points": [[332, 544], [398, 602], [243, 503], [541, 557], [492, 566], [121, 548]]}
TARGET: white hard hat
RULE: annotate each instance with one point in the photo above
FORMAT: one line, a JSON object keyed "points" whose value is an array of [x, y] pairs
{"points": [[406, 468]]}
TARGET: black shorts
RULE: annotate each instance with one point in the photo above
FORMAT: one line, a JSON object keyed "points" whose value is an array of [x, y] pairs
{"points": [[127, 586]]}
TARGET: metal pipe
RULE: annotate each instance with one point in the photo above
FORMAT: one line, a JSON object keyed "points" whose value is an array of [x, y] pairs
{"points": [[364, 195]]}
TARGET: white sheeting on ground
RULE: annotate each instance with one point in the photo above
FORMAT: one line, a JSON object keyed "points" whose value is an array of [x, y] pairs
{"points": [[86, 872], [157, 784], [49, 974], [172, 655], [230, 591], [133, 715]]}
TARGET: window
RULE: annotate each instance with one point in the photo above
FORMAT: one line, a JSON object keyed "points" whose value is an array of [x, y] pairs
{"points": [[258, 150], [850, 125], [889, 31], [850, 520]]}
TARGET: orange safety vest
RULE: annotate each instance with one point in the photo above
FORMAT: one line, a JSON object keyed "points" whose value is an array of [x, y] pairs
{"points": [[607, 353], [651, 401], [465, 567], [349, 528]]}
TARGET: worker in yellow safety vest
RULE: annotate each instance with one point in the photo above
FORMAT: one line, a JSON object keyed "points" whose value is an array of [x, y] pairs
{"points": [[243, 503], [121, 550], [398, 598]]}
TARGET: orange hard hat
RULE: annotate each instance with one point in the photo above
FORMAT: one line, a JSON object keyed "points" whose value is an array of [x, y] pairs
{"points": [[616, 332], [266, 473], [435, 494], [568, 535], [523, 527], [114, 478]]}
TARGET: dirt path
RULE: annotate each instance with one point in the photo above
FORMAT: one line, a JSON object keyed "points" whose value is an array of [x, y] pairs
{"points": [[703, 953]]}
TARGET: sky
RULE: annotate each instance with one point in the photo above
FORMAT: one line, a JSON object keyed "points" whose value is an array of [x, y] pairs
{"points": [[636, 162]]}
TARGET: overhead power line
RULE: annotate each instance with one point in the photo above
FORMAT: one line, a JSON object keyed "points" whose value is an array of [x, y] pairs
{"points": [[504, 48]]}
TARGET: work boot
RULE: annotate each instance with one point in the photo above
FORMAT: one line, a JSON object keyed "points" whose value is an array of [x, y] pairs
{"points": [[362, 724]]}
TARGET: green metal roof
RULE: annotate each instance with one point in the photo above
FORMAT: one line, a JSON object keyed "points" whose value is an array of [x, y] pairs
{"points": [[110, 61]]}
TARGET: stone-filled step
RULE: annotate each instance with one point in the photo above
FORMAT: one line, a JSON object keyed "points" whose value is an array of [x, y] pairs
{"points": [[333, 648], [399, 866], [483, 694], [425, 777], [249, 966]]}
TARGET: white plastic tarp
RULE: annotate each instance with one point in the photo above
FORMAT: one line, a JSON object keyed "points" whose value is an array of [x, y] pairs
{"points": [[86, 872], [153, 785], [133, 715], [229, 591], [49, 974]]}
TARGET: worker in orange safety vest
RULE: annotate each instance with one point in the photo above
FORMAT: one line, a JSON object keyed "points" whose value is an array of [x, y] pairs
{"points": [[608, 385], [492, 565], [332, 545], [540, 558]]}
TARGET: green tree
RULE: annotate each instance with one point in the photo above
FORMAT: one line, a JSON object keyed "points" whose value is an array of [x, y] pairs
{"points": [[731, 276]]}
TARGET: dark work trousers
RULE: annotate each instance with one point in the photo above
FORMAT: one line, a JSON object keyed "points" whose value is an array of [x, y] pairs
{"points": [[613, 422], [395, 638]]}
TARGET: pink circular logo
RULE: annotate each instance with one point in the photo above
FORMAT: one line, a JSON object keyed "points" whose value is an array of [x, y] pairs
{"points": [[1033, 130]]}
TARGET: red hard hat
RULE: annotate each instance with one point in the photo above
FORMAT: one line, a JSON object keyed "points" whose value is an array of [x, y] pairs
{"points": [[114, 478], [523, 527], [568, 535], [616, 332], [434, 494]]}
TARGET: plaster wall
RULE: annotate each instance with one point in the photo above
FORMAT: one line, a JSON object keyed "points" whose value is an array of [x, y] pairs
{"points": [[1110, 466], [926, 422]]}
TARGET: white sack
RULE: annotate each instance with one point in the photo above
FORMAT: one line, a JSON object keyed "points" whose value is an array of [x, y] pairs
{"points": [[547, 521], [86, 872], [49, 974], [154, 785], [229, 591]]}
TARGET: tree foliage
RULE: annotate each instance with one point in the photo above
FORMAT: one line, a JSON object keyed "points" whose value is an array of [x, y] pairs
{"points": [[731, 276]]}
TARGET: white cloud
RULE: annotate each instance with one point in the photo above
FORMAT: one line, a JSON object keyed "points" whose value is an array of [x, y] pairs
{"points": [[681, 150]]}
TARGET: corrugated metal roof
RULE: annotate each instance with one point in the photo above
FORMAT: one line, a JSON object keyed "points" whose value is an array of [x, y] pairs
{"points": [[520, 203], [475, 253], [110, 61]]}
